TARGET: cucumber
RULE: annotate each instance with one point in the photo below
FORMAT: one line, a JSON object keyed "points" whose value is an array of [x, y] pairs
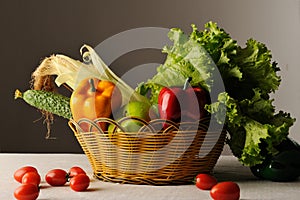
{"points": [[48, 101]]}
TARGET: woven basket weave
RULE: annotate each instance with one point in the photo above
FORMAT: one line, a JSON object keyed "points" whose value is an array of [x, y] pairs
{"points": [[150, 156]]}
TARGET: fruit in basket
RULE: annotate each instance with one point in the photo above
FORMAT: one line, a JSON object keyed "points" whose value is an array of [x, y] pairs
{"points": [[136, 109], [94, 98], [133, 131], [182, 104]]}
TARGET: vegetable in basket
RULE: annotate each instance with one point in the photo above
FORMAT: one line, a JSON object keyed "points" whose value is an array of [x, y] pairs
{"points": [[249, 76], [94, 98], [182, 104]]}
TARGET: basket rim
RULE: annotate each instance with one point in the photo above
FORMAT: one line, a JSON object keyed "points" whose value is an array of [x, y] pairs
{"points": [[201, 124]]}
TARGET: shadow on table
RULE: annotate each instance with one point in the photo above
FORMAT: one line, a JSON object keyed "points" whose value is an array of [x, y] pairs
{"points": [[232, 170]]}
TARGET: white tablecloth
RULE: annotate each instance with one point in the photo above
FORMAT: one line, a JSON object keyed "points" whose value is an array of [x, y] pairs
{"points": [[227, 169]]}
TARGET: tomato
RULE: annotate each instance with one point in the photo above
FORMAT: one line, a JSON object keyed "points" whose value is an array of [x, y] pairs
{"points": [[225, 191], [26, 192], [80, 182], [19, 173], [31, 177], [205, 181], [73, 171], [56, 177]]}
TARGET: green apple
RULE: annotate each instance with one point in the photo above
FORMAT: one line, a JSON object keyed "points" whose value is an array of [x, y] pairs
{"points": [[137, 109], [132, 109]]}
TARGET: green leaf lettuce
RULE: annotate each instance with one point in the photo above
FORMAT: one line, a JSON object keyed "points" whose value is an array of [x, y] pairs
{"points": [[249, 77]]}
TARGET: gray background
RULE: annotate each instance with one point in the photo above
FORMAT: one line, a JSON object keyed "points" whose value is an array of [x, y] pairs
{"points": [[34, 29]]}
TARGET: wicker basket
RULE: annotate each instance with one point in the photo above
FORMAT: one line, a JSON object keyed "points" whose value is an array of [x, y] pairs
{"points": [[150, 156]]}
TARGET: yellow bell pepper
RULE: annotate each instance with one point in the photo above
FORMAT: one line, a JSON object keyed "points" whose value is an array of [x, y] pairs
{"points": [[94, 98]]}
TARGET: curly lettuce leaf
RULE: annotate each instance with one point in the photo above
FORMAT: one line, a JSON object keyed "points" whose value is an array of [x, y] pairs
{"points": [[258, 67], [221, 47], [249, 76], [253, 127]]}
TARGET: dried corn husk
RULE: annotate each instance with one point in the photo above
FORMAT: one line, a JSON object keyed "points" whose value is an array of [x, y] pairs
{"points": [[67, 70], [71, 72]]}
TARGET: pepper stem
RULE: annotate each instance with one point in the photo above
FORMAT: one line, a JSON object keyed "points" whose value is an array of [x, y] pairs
{"points": [[186, 83], [92, 84]]}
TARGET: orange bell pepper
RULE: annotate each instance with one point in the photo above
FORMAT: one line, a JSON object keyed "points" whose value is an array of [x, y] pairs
{"points": [[94, 98]]}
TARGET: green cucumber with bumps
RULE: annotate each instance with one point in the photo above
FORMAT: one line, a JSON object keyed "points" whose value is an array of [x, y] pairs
{"points": [[48, 101]]}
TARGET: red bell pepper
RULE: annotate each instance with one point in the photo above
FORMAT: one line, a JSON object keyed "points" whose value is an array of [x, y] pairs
{"points": [[182, 104]]}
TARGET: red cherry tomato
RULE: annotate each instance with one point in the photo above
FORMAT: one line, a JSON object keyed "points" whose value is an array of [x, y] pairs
{"points": [[19, 173], [56, 177], [80, 182], [75, 171], [26, 192], [205, 181], [31, 177], [225, 191]]}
